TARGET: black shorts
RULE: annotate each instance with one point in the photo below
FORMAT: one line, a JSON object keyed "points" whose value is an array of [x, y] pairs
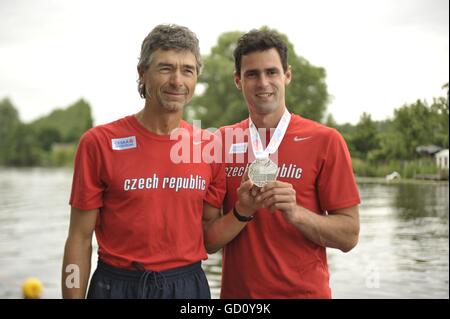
{"points": [[188, 282]]}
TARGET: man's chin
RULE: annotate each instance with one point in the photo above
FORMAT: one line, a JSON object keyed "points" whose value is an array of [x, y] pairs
{"points": [[265, 108], [172, 107]]}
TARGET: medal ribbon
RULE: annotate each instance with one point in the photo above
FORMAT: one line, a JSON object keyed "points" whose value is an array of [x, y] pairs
{"points": [[275, 141]]}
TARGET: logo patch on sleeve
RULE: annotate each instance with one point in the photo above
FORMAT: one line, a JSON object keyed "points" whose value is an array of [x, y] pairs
{"points": [[123, 143]]}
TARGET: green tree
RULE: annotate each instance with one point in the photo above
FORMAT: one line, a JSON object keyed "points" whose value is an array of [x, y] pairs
{"points": [[8, 116], [47, 136], [414, 125], [330, 121], [391, 146], [221, 103], [439, 118], [365, 136], [24, 149], [9, 119], [31, 144], [71, 122]]}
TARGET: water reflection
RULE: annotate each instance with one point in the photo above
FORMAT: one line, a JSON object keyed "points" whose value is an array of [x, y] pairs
{"points": [[402, 253], [422, 236], [403, 248], [422, 200]]}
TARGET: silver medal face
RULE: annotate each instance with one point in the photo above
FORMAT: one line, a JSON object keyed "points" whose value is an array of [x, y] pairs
{"points": [[262, 171]]}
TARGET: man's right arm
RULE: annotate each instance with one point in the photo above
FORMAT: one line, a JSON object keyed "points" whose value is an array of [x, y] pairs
{"points": [[220, 230], [77, 253]]}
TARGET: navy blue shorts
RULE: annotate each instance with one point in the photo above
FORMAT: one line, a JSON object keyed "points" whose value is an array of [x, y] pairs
{"points": [[188, 282]]}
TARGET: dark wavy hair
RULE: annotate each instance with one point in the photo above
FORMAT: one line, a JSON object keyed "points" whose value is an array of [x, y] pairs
{"points": [[259, 40]]}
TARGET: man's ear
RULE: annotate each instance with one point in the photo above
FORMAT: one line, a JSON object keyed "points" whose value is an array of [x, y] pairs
{"points": [[141, 72], [237, 80], [288, 75]]}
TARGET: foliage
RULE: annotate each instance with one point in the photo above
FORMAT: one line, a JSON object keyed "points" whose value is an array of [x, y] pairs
{"points": [[63, 156], [221, 103], [34, 144], [22, 151], [406, 169], [9, 119], [68, 123], [365, 136], [379, 148]]}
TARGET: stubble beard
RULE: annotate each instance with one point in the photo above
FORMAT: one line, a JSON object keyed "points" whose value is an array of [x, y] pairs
{"points": [[171, 106]]}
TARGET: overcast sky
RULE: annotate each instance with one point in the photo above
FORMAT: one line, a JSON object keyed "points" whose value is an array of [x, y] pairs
{"points": [[378, 54]]}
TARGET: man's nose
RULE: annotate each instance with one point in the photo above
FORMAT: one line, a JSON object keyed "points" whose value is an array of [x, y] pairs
{"points": [[263, 80], [176, 79]]}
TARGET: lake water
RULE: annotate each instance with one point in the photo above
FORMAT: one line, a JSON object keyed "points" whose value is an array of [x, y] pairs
{"points": [[403, 250]]}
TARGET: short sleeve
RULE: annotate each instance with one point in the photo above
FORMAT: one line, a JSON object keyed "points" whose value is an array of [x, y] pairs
{"points": [[87, 187], [217, 187], [336, 182]]}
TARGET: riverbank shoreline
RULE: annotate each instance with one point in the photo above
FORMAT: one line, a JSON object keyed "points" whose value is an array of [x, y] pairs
{"points": [[359, 179], [381, 180]]}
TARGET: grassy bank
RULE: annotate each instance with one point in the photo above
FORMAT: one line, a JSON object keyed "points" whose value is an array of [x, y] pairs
{"points": [[382, 180], [407, 169]]}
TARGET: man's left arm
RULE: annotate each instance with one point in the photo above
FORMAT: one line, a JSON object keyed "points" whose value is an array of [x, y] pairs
{"points": [[339, 229]]}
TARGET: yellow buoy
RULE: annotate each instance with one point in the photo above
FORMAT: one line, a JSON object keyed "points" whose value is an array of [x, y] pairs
{"points": [[32, 288]]}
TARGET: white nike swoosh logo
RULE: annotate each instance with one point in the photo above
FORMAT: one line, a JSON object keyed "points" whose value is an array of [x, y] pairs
{"points": [[197, 142], [298, 138]]}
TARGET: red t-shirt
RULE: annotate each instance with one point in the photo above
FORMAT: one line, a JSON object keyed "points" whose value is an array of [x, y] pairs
{"points": [[270, 258], [150, 207]]}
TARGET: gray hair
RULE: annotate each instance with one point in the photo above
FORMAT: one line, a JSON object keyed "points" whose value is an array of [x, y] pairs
{"points": [[167, 37]]}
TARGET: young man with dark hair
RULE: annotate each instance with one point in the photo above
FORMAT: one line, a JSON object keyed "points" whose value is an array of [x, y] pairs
{"points": [[292, 196]]}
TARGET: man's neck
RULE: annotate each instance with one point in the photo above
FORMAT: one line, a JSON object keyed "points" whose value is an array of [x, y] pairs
{"points": [[270, 120], [160, 123]]}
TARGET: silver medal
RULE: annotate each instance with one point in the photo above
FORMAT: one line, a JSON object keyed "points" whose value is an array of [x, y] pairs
{"points": [[262, 171]]}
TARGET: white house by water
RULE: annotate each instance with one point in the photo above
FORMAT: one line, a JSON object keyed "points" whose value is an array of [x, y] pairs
{"points": [[442, 159]]}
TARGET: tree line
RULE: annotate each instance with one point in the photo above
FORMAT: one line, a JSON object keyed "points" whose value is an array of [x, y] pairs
{"points": [[47, 141], [377, 147], [381, 147]]}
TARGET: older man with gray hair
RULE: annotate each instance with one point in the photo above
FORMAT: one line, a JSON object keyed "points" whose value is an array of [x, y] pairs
{"points": [[149, 232]]}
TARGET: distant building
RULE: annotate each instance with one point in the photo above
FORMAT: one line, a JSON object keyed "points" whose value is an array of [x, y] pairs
{"points": [[429, 150], [442, 159]]}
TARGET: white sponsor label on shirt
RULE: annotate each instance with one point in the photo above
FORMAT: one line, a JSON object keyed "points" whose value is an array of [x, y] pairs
{"points": [[123, 143], [238, 148]]}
